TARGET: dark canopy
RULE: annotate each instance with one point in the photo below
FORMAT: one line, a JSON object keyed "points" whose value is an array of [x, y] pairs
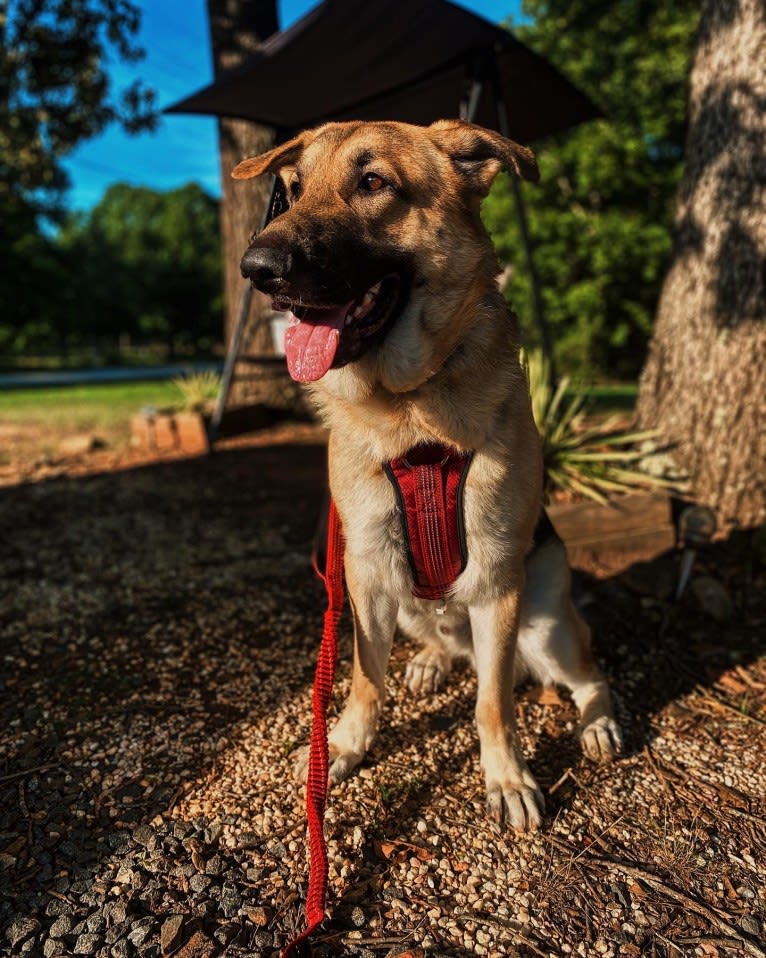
{"points": [[393, 60]]}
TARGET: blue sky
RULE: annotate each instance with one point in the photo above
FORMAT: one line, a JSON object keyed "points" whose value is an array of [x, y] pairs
{"points": [[175, 36]]}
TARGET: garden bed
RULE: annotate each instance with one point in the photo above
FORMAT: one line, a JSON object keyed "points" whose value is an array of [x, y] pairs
{"points": [[628, 529], [172, 431]]}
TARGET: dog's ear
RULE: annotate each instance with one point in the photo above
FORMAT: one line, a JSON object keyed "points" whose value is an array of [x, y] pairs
{"points": [[479, 154], [275, 159]]}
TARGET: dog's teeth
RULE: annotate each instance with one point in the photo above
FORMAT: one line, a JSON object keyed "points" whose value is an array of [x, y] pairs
{"points": [[373, 291]]}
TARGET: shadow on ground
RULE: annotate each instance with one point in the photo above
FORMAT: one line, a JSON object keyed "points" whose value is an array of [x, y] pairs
{"points": [[148, 616]]}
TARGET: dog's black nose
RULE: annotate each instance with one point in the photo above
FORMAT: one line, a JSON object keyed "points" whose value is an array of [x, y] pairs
{"points": [[266, 267]]}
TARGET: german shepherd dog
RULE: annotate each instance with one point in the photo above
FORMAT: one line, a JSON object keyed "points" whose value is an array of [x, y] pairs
{"points": [[400, 329]]}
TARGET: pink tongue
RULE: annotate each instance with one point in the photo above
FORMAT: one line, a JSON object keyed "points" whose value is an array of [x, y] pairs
{"points": [[310, 345]]}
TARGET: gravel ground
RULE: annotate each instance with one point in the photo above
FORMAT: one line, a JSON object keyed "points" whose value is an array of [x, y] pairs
{"points": [[158, 627]]}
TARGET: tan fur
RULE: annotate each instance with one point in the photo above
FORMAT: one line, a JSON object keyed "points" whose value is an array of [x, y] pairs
{"points": [[448, 371]]}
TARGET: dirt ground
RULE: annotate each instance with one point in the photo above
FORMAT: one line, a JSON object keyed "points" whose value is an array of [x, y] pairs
{"points": [[158, 626]]}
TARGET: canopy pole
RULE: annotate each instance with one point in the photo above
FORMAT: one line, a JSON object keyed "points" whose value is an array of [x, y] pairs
{"points": [[470, 104], [521, 214]]}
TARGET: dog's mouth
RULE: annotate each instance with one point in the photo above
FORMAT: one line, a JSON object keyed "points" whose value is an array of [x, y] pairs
{"points": [[321, 337]]}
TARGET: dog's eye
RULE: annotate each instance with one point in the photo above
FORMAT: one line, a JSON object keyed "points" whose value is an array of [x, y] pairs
{"points": [[372, 183], [295, 190]]}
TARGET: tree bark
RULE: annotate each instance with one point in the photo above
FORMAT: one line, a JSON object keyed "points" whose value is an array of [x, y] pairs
{"points": [[704, 383], [236, 28]]}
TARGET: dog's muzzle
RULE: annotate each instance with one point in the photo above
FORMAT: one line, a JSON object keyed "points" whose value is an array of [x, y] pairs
{"points": [[267, 267]]}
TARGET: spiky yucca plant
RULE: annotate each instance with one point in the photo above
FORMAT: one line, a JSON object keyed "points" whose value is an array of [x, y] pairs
{"points": [[199, 390], [595, 460]]}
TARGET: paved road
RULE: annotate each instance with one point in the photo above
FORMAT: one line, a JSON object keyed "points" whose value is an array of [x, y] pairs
{"points": [[111, 374]]}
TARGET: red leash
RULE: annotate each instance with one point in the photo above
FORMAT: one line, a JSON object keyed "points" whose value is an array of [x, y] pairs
{"points": [[429, 482], [316, 780]]}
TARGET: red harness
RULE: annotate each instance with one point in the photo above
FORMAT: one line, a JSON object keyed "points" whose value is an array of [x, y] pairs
{"points": [[428, 481]]}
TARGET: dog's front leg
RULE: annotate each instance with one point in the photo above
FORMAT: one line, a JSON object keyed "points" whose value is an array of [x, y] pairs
{"points": [[374, 624], [512, 792]]}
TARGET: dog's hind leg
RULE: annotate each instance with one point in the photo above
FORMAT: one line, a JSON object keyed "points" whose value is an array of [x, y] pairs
{"points": [[445, 637], [554, 646], [427, 670]]}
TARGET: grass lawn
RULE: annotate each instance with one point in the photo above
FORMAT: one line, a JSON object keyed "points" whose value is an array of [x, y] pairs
{"points": [[34, 421], [73, 409], [106, 406]]}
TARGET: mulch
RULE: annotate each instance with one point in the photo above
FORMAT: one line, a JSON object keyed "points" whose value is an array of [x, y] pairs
{"points": [[158, 626]]}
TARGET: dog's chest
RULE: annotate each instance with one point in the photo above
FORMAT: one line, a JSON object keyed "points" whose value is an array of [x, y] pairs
{"points": [[411, 529], [376, 548]]}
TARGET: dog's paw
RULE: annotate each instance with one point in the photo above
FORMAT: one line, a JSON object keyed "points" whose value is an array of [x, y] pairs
{"points": [[520, 804], [301, 764], [342, 764], [601, 740], [427, 671]]}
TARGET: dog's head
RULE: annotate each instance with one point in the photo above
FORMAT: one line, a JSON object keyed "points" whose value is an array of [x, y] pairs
{"points": [[381, 250]]}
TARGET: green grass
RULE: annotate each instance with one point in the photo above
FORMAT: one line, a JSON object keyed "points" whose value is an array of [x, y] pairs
{"points": [[107, 408], [85, 408]]}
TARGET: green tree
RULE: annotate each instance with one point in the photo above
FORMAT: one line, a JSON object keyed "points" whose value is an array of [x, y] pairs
{"points": [[148, 265], [600, 219], [25, 258], [55, 92]]}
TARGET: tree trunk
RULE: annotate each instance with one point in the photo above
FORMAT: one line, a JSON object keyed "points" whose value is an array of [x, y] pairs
{"points": [[236, 28], [704, 383]]}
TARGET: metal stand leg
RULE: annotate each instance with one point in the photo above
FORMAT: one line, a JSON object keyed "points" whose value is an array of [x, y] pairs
{"points": [[236, 338], [228, 368], [534, 279]]}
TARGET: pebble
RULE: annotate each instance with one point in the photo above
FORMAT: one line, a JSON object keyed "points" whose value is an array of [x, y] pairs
{"points": [[145, 835], [713, 598], [87, 944], [60, 927], [21, 930], [139, 934], [171, 933], [258, 914]]}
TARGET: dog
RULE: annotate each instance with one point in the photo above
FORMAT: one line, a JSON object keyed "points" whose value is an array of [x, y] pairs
{"points": [[405, 341]]}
